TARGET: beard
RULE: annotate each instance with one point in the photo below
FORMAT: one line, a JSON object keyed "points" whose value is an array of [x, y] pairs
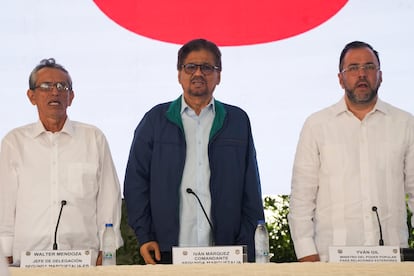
{"points": [[198, 93], [199, 90], [361, 98]]}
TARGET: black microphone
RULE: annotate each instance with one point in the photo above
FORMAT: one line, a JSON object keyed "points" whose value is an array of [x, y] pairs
{"points": [[407, 254], [375, 209], [190, 191], [62, 203]]}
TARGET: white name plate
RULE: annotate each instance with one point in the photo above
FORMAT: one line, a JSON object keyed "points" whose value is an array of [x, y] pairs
{"points": [[208, 255], [56, 258], [364, 254]]}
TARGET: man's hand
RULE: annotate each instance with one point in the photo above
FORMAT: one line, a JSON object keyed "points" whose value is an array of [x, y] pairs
{"points": [[146, 250], [311, 258]]}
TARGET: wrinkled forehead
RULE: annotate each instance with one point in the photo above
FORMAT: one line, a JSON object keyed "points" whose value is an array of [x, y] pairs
{"points": [[47, 74]]}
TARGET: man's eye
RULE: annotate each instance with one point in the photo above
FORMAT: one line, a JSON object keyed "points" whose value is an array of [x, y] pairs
{"points": [[206, 68], [191, 67], [45, 86]]}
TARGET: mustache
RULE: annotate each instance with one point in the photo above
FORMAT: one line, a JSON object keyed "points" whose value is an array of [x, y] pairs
{"points": [[363, 81], [198, 78]]}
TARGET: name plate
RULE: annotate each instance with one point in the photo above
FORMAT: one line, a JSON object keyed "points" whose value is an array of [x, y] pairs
{"points": [[56, 258], [364, 254], [209, 255]]}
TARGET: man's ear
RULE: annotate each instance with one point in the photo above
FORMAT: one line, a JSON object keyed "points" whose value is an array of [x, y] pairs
{"points": [[32, 96], [341, 80], [71, 95]]}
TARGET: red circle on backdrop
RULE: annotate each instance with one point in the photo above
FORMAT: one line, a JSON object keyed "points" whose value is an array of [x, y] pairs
{"points": [[225, 22]]}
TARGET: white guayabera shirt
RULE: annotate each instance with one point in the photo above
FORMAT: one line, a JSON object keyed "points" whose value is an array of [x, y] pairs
{"points": [[4, 271], [39, 169], [344, 167]]}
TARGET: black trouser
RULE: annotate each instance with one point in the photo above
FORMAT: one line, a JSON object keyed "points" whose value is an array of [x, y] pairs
{"points": [[166, 258]]}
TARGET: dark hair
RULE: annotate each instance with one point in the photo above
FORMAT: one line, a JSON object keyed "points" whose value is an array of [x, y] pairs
{"points": [[196, 45], [48, 63], [354, 45]]}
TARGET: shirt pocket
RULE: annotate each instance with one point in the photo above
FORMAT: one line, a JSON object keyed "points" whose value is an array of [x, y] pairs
{"points": [[82, 179], [390, 156]]}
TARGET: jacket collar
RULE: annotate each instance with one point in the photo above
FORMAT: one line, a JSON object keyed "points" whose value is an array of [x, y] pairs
{"points": [[174, 115]]}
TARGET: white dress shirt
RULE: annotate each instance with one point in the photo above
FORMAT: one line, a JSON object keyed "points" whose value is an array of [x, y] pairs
{"points": [[194, 227], [4, 270], [39, 169], [343, 167]]}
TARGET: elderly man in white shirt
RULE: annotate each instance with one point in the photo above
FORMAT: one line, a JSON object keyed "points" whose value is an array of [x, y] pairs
{"points": [[55, 160], [351, 157]]}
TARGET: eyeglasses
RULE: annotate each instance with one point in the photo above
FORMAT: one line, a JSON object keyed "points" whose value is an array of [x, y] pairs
{"points": [[206, 69], [354, 69], [48, 86]]}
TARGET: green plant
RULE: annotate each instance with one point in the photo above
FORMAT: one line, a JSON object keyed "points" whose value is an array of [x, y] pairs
{"points": [[129, 253], [280, 242]]}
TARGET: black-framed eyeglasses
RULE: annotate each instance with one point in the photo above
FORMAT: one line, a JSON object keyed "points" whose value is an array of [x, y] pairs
{"points": [[206, 69], [354, 68], [48, 86]]}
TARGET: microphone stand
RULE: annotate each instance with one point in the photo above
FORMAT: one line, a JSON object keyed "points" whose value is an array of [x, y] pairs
{"points": [[375, 209], [62, 203], [190, 191]]}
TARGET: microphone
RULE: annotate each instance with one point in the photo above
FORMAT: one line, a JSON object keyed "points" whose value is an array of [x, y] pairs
{"points": [[190, 191], [375, 209], [407, 254], [62, 203]]}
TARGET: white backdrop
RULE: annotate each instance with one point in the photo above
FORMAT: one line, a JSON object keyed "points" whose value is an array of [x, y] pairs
{"points": [[118, 75]]}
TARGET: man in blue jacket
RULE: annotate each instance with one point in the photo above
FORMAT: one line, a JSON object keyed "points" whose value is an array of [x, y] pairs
{"points": [[193, 148]]}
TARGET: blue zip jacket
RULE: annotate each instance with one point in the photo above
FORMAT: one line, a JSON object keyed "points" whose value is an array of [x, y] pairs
{"points": [[155, 168]]}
